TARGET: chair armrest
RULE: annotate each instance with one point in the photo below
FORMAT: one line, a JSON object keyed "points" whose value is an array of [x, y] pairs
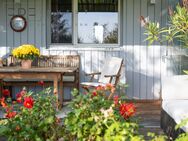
{"points": [[114, 75], [111, 77], [92, 75]]}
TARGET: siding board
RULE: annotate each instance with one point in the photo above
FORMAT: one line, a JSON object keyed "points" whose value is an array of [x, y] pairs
{"points": [[150, 59], [31, 21], [136, 51], [3, 27], [143, 51], [24, 38], [130, 47], [157, 54], [10, 33]]}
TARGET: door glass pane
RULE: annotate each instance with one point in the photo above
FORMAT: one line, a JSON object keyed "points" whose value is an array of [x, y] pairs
{"points": [[61, 21], [98, 21]]}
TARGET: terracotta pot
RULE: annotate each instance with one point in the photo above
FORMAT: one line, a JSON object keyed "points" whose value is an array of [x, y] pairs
{"points": [[26, 64]]}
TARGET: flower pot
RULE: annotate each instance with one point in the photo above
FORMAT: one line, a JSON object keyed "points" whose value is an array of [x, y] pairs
{"points": [[26, 64]]}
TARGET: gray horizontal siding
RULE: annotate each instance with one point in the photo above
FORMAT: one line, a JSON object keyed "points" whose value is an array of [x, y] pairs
{"points": [[143, 65]]}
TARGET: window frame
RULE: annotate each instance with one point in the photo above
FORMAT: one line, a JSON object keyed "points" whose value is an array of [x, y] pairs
{"points": [[75, 29]]}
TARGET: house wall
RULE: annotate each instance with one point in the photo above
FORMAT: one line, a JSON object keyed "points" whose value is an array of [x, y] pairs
{"points": [[143, 66]]}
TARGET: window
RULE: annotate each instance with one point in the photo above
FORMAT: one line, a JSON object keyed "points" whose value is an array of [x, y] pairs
{"points": [[96, 21], [61, 21]]}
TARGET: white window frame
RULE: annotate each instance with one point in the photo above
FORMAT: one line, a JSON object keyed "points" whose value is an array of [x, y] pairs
{"points": [[75, 29]]}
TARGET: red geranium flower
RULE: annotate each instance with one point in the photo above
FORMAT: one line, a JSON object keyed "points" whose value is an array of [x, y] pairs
{"points": [[10, 114], [94, 93], [19, 96], [28, 102], [127, 110], [41, 83], [116, 100], [6, 92]]}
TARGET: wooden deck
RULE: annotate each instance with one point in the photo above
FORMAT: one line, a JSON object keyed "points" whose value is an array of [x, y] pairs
{"points": [[149, 115]]}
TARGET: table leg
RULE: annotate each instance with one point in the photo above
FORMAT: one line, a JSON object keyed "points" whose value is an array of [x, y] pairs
{"points": [[61, 91], [56, 90], [1, 87]]}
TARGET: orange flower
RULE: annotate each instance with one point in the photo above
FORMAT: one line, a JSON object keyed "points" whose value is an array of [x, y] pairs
{"points": [[3, 103], [110, 87], [100, 88], [127, 110], [10, 114], [28, 102], [6, 92]]}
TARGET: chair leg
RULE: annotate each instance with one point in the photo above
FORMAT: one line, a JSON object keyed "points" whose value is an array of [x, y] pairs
{"points": [[111, 95], [86, 88]]}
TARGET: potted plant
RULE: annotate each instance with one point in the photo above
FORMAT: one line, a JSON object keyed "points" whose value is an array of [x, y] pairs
{"points": [[26, 53]]}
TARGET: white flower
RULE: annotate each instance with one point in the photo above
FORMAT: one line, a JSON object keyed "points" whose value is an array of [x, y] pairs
{"points": [[107, 113]]}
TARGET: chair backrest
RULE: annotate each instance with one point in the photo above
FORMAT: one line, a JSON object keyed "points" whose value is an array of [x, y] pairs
{"points": [[112, 66], [49, 61], [59, 61]]}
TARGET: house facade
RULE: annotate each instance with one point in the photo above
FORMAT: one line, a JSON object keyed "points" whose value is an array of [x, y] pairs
{"points": [[94, 29]]}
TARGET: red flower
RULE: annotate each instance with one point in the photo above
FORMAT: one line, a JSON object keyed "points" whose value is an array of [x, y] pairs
{"points": [[10, 114], [18, 128], [116, 100], [41, 83], [3, 103], [127, 110], [19, 96], [6, 92], [94, 94], [28, 102]]}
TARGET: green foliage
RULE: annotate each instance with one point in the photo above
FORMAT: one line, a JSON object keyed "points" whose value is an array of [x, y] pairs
{"points": [[155, 137], [95, 118], [176, 30], [37, 123], [182, 137]]}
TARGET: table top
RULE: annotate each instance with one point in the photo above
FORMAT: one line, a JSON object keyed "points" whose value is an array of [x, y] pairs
{"points": [[38, 69]]}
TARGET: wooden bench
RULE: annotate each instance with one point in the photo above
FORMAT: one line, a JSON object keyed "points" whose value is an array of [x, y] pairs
{"points": [[69, 79]]}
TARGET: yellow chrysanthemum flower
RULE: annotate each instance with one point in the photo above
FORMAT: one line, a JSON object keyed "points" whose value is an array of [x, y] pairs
{"points": [[25, 52]]}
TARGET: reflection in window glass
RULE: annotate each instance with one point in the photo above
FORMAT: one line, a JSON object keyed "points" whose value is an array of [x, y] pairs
{"points": [[98, 21], [61, 21]]}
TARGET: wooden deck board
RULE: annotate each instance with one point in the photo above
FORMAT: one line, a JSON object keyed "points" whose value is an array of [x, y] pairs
{"points": [[149, 115]]}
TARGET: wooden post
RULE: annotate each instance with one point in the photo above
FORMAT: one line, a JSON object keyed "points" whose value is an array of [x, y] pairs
{"points": [[61, 90], [56, 89], [1, 87]]}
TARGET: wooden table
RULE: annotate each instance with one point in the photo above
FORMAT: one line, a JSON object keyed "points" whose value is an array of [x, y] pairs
{"points": [[50, 73]]}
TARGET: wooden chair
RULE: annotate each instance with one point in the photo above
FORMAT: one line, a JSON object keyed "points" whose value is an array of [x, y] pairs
{"points": [[110, 73]]}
